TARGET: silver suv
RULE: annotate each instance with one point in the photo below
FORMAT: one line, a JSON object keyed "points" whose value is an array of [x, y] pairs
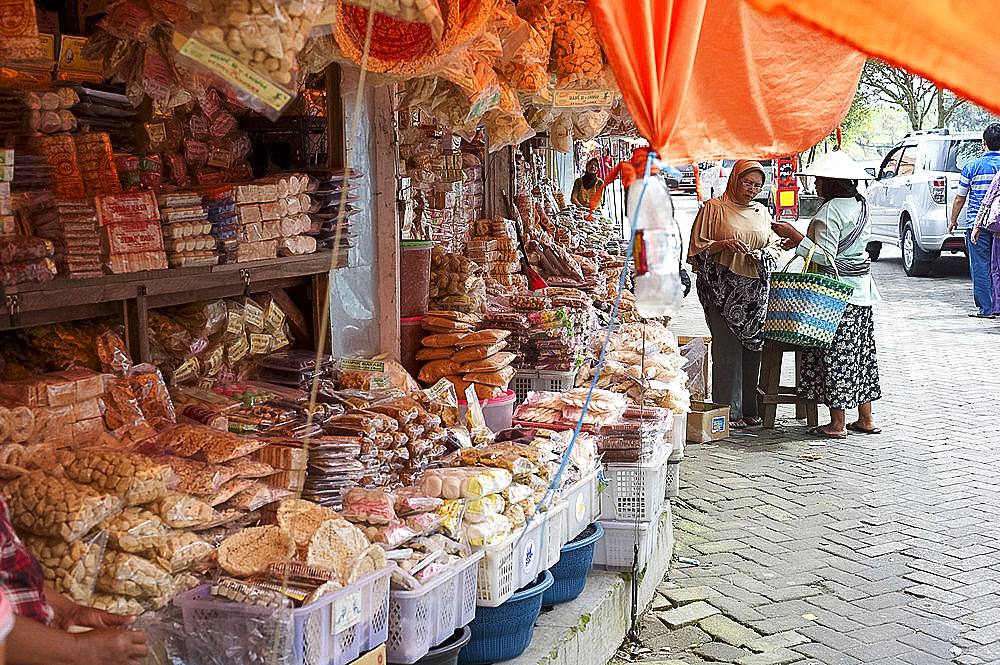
{"points": [[910, 201]]}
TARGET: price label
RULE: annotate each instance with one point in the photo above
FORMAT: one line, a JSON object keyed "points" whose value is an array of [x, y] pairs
{"points": [[379, 382], [253, 315], [345, 613], [438, 389], [360, 365]]}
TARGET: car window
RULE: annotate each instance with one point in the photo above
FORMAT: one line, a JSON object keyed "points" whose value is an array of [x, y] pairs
{"points": [[961, 153], [907, 160], [890, 164]]}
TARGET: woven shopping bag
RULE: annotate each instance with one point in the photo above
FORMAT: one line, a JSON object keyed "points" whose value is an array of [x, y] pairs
{"points": [[805, 308]]}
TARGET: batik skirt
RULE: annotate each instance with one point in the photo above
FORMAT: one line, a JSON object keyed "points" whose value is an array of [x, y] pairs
{"points": [[846, 374]]}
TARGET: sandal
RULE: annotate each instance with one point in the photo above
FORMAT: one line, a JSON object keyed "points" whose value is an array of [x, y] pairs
{"points": [[737, 424], [823, 434], [753, 422], [855, 427]]}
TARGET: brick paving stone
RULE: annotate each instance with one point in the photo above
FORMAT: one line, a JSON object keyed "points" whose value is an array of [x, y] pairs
{"points": [[894, 539], [720, 652], [787, 639], [685, 615], [776, 657], [681, 596], [724, 629]]}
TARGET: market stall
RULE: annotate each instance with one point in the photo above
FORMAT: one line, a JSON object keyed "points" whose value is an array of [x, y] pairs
{"points": [[289, 385]]}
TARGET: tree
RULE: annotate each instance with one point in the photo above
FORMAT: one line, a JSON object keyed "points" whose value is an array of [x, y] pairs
{"points": [[971, 118], [920, 99]]}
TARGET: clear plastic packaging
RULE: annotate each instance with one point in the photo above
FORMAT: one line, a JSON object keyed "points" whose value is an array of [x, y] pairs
{"points": [[180, 549], [135, 530], [131, 575], [181, 511], [70, 568], [249, 48], [48, 506]]}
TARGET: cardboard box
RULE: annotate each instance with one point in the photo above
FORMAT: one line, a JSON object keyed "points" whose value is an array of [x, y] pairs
{"points": [[707, 422], [374, 657]]}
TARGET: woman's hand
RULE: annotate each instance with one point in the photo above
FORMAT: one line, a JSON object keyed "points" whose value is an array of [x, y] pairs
{"points": [[733, 245], [791, 234]]}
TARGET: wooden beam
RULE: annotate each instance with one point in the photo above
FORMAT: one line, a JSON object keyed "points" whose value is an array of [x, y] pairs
{"points": [[296, 319], [384, 160]]}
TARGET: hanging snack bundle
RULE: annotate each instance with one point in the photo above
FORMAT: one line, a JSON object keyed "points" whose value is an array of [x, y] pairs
{"points": [[577, 59]]}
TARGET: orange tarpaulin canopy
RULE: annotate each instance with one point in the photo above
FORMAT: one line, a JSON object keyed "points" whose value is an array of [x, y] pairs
{"points": [[706, 79], [954, 44]]}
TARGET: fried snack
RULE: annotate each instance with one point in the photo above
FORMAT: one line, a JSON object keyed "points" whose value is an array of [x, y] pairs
{"points": [[123, 605], [180, 549], [48, 506], [249, 552], [135, 530], [181, 511], [70, 568], [335, 545], [303, 518], [136, 478], [130, 575]]}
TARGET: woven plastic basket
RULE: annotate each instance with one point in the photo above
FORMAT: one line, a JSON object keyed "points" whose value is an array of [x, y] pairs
{"points": [[805, 308]]}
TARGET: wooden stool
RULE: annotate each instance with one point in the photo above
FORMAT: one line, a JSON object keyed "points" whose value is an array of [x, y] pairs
{"points": [[770, 392]]}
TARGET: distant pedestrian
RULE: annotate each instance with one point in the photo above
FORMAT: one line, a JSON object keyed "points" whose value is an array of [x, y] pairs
{"points": [[734, 251], [972, 185], [845, 376], [988, 221]]}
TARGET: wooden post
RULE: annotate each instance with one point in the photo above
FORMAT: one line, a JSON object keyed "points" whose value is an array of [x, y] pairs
{"points": [[335, 145], [137, 326], [384, 177], [498, 176]]}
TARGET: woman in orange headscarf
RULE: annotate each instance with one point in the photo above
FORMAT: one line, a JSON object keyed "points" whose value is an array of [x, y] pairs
{"points": [[733, 251]]}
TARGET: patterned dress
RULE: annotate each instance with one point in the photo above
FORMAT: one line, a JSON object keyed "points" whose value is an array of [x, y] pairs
{"points": [[742, 301]]}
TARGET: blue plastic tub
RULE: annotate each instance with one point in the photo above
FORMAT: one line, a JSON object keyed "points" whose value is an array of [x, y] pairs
{"points": [[504, 632], [447, 652], [570, 572]]}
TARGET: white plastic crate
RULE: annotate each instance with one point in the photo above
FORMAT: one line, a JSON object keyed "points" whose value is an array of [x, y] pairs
{"points": [[673, 479], [678, 435], [584, 501], [531, 380], [635, 491], [334, 630], [511, 564], [616, 549], [555, 534], [424, 618]]}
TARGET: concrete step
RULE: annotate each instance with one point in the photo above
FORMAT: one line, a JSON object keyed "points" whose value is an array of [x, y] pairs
{"points": [[589, 630]]}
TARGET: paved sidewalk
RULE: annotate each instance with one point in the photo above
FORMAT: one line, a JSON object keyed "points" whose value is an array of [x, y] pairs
{"points": [[876, 549]]}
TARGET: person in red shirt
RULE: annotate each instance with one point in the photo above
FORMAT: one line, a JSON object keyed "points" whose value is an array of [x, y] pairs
{"points": [[42, 616]]}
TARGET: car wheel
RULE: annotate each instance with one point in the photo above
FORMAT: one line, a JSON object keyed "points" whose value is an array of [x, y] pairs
{"points": [[874, 250], [915, 263]]}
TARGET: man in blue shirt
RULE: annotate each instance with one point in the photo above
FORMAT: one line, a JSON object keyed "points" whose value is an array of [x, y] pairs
{"points": [[972, 185]]}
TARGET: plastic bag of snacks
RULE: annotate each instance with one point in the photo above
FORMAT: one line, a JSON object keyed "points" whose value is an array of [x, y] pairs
{"points": [[70, 568], [577, 59], [249, 47], [47, 506]]}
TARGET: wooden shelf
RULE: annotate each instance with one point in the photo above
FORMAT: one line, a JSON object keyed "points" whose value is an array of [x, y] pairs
{"points": [[132, 295]]}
